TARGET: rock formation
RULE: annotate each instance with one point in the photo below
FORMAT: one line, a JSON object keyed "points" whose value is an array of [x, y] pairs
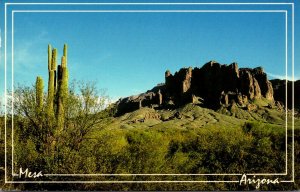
{"points": [[265, 85], [213, 85], [279, 87]]}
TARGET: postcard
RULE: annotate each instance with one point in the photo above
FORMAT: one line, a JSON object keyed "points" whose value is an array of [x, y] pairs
{"points": [[126, 96]]}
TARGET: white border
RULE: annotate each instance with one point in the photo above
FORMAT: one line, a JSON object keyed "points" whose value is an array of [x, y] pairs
{"points": [[293, 95], [284, 11], [12, 96], [150, 11], [5, 99], [150, 3]]}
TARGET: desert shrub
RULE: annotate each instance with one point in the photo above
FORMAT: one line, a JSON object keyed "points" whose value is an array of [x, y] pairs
{"points": [[268, 146], [38, 144]]}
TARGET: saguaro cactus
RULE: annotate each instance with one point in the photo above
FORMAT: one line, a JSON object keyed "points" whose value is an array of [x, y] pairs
{"points": [[49, 58], [56, 98], [53, 65], [65, 52], [57, 87], [39, 87], [62, 90], [51, 80]]}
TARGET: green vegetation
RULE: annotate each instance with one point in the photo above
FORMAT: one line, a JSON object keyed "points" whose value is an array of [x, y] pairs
{"points": [[72, 131], [221, 144]]}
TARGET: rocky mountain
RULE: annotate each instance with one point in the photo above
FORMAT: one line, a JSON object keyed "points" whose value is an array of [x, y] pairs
{"points": [[214, 86], [279, 87]]}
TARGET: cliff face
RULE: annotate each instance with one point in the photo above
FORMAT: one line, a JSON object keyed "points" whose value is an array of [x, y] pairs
{"points": [[280, 92], [213, 85]]}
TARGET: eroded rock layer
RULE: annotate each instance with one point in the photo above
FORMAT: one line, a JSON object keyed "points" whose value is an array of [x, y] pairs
{"points": [[213, 85]]}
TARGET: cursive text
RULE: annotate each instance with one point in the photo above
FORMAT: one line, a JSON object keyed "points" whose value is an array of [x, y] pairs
{"points": [[28, 174], [258, 182]]}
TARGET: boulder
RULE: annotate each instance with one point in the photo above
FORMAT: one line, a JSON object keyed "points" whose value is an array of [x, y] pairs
{"points": [[242, 99], [251, 107]]}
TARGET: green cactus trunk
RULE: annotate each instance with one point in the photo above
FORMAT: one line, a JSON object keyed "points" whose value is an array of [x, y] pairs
{"points": [[51, 82], [56, 98], [49, 58], [53, 67], [57, 88], [51, 92], [65, 52], [62, 90], [39, 87]]}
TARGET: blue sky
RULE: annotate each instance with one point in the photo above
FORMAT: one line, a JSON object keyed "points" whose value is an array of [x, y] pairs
{"points": [[128, 53]]}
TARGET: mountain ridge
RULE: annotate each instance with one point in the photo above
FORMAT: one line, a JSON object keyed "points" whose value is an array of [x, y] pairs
{"points": [[213, 86]]}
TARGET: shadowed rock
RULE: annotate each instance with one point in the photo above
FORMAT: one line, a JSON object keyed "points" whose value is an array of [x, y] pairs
{"points": [[213, 85], [280, 88]]}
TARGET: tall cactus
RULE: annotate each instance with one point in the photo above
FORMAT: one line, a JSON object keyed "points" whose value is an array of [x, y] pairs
{"points": [[51, 81], [57, 87], [39, 87], [49, 57], [65, 53], [62, 90], [54, 64], [56, 98]]}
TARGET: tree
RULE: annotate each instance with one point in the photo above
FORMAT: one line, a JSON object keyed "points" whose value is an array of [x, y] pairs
{"points": [[83, 111]]}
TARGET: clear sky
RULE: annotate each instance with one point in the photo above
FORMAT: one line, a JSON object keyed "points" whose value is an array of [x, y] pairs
{"points": [[128, 53]]}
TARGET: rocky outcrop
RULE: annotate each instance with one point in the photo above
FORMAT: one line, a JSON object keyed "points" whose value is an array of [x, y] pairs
{"points": [[249, 85], [152, 98], [177, 86], [265, 85], [212, 79], [280, 88], [213, 85]]}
